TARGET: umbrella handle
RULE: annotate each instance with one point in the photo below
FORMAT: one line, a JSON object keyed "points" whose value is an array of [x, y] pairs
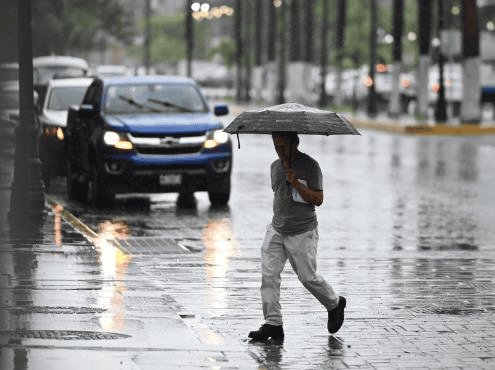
{"points": [[289, 191], [238, 141]]}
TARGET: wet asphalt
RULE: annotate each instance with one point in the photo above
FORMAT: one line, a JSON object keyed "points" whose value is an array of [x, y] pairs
{"points": [[406, 234]]}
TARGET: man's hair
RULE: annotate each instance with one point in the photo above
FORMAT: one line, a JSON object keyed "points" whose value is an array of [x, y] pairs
{"points": [[291, 135]]}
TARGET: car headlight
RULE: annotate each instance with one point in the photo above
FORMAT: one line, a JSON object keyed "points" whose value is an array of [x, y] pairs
{"points": [[216, 138], [112, 138]]}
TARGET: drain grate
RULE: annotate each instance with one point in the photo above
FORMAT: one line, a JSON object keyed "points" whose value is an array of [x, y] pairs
{"points": [[151, 245], [62, 310], [62, 335]]}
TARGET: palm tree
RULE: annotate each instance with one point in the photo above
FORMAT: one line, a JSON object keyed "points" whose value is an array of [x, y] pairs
{"points": [[341, 23], [372, 62], [189, 37], [324, 52], [398, 19], [282, 61], [239, 47], [424, 38], [470, 108]]}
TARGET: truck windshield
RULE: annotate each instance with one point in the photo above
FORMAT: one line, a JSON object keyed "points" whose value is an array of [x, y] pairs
{"points": [[155, 97], [61, 98]]}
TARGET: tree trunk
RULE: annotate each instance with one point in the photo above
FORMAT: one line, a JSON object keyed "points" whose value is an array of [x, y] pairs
{"points": [[441, 104], [295, 31], [247, 49], [424, 39], [189, 37], [309, 16], [324, 53], [147, 36], [372, 62], [239, 47], [471, 105], [398, 20], [258, 58], [272, 32], [282, 58], [341, 23]]}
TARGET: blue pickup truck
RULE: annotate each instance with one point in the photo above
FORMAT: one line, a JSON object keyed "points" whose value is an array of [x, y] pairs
{"points": [[146, 134]]}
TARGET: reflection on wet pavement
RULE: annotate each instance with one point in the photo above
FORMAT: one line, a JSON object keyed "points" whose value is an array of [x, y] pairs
{"points": [[406, 233]]}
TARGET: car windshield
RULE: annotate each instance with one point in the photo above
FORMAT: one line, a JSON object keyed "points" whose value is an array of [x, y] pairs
{"points": [[61, 98], [9, 99], [44, 74], [154, 97]]}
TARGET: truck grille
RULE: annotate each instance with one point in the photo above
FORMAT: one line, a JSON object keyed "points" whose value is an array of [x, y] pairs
{"points": [[169, 144]]}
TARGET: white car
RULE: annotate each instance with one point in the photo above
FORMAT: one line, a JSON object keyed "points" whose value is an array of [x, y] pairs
{"points": [[112, 70], [61, 94], [56, 66]]}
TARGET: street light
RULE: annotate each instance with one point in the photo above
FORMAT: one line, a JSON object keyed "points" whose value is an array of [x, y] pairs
{"points": [[27, 200]]}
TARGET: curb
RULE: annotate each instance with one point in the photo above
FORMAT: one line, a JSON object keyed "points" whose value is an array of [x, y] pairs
{"points": [[424, 129]]}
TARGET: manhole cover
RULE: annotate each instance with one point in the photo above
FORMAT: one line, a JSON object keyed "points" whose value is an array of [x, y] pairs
{"points": [[55, 310], [62, 334]]}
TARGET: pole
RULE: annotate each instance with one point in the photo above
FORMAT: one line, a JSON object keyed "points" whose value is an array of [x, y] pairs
{"points": [[27, 200]]}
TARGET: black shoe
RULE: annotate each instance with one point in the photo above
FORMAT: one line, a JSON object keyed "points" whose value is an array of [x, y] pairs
{"points": [[275, 332], [336, 316]]}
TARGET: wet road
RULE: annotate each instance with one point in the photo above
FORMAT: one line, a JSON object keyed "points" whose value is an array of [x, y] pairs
{"points": [[406, 233]]}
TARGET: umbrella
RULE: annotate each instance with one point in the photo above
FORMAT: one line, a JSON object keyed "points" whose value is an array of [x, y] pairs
{"points": [[290, 117]]}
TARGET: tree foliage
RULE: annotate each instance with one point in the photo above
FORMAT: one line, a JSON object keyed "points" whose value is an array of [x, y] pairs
{"points": [[68, 26]]}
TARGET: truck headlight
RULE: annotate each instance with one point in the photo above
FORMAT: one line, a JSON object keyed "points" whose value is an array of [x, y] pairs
{"points": [[216, 138], [112, 138]]}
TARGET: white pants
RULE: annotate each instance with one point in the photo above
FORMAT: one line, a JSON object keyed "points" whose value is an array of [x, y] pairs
{"points": [[301, 251]]}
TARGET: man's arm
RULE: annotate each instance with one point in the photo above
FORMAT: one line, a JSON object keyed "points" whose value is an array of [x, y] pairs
{"points": [[311, 196]]}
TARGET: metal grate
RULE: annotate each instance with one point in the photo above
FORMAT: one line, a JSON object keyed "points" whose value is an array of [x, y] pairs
{"points": [[62, 334], [151, 245]]}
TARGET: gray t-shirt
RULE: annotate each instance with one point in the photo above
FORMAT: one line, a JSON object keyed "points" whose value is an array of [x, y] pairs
{"points": [[290, 217]]}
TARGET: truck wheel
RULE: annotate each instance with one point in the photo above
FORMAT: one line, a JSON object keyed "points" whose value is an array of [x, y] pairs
{"points": [[99, 192], [76, 189], [219, 199]]}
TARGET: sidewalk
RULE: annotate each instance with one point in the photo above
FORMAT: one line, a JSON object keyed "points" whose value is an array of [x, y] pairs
{"points": [[70, 299]]}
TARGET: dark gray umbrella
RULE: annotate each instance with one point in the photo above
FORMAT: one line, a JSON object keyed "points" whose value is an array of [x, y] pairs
{"points": [[291, 117]]}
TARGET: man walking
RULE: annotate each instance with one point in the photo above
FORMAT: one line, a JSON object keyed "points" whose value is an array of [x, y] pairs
{"points": [[293, 235]]}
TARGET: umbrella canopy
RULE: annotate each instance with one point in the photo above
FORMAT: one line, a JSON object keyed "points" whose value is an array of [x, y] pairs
{"points": [[291, 117]]}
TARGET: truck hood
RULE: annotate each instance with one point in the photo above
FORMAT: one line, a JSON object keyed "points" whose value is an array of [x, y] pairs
{"points": [[163, 123]]}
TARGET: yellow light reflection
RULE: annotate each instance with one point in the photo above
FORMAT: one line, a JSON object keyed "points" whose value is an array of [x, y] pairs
{"points": [[114, 263], [57, 223], [220, 246]]}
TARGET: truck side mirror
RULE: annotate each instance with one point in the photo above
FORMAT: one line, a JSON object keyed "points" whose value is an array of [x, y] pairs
{"points": [[221, 110]]}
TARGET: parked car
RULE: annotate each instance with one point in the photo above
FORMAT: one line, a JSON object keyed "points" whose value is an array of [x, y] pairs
{"points": [[61, 94], [146, 134], [111, 70], [9, 106], [47, 67]]}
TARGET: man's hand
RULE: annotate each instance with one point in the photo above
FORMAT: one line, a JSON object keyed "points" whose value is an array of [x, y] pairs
{"points": [[311, 196], [291, 177]]}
